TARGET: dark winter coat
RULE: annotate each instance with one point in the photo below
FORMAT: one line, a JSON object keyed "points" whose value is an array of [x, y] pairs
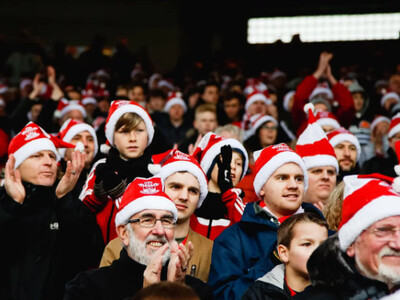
{"points": [[46, 242], [244, 252], [124, 278], [334, 276], [382, 165]]}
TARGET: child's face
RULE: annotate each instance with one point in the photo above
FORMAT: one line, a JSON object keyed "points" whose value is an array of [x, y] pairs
{"points": [[236, 169], [131, 144], [306, 238]]}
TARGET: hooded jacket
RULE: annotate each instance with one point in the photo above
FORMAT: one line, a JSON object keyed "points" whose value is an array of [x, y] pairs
{"points": [[334, 276]]}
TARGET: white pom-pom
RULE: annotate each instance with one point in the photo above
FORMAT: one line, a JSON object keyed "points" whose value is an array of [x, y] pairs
{"points": [[396, 184], [397, 169], [104, 148], [153, 168], [309, 106], [79, 147]]}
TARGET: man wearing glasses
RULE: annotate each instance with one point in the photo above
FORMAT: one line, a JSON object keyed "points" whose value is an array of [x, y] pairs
{"points": [[363, 260], [145, 222]]}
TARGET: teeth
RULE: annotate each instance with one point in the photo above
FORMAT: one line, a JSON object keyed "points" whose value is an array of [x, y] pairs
{"points": [[155, 244]]}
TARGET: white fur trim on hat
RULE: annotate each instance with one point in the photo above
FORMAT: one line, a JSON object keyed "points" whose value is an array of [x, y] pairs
{"points": [[321, 90], [127, 108], [143, 203], [174, 101], [286, 99], [378, 120], [209, 156], [33, 147], [346, 137], [378, 209], [388, 96], [257, 97], [273, 164], [181, 166], [321, 160], [70, 107], [74, 130], [329, 122]]}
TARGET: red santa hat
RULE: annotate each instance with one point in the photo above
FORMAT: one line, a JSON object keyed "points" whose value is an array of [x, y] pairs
{"points": [[256, 96], [326, 118], [269, 159], [256, 121], [367, 199], [394, 125], [378, 120], [175, 98], [342, 135], [314, 147], [321, 90], [70, 128], [255, 85], [172, 161], [209, 149], [121, 107], [32, 139], [89, 100], [390, 95], [142, 194], [64, 106]]}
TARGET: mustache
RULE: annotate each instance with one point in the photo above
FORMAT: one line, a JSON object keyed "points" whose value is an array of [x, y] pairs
{"points": [[156, 238], [388, 252]]}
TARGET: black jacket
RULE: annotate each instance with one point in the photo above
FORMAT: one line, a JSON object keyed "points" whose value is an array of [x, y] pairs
{"points": [[46, 242], [334, 276], [383, 165], [124, 278]]}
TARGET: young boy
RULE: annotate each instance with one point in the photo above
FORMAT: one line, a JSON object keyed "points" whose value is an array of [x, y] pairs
{"points": [[298, 236], [129, 130]]}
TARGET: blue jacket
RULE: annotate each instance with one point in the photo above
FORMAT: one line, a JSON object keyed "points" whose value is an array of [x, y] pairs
{"points": [[242, 253]]}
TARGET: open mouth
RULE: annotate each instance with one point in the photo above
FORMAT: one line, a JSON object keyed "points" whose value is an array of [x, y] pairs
{"points": [[291, 196]]}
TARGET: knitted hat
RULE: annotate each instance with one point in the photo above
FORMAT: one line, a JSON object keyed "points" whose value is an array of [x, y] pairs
{"points": [[142, 194], [172, 161], [314, 147], [209, 149], [342, 135], [70, 128], [366, 201], [320, 99], [64, 106], [286, 99], [121, 107], [321, 90], [175, 98], [390, 95], [394, 125], [325, 118], [377, 120], [269, 159], [32, 139], [256, 122], [256, 96]]}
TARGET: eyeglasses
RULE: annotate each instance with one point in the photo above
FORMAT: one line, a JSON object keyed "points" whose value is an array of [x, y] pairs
{"points": [[269, 127], [150, 222], [385, 233]]}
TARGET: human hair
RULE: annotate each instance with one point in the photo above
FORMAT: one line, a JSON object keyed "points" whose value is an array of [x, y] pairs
{"points": [[286, 230], [130, 120], [206, 107], [157, 93], [232, 129], [166, 290], [209, 83], [233, 95], [333, 208]]}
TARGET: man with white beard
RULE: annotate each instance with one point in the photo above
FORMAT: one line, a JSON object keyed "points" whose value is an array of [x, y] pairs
{"points": [[145, 223], [363, 260]]}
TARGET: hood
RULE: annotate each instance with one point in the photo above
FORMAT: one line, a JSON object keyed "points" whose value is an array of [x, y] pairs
{"points": [[275, 277]]}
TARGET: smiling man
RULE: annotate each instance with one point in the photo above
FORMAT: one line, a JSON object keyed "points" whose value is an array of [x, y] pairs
{"points": [[145, 223], [244, 251], [363, 260]]}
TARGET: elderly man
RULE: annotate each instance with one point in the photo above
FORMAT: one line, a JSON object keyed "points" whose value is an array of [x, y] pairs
{"points": [[244, 252], [48, 235], [145, 223], [363, 260], [186, 184]]}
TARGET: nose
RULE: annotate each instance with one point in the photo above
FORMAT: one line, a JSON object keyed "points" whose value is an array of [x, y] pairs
{"points": [[183, 195], [395, 241], [47, 160], [325, 175], [292, 183], [158, 229], [233, 165], [132, 135], [346, 151]]}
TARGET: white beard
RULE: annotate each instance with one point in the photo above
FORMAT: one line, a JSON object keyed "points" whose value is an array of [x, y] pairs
{"points": [[137, 249]]}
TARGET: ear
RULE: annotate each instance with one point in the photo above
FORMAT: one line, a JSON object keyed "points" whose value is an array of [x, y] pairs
{"points": [[262, 193], [351, 251], [283, 252], [124, 234], [195, 123]]}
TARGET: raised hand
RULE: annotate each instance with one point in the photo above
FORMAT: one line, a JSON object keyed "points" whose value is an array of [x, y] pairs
{"points": [[152, 274], [12, 182], [74, 169], [177, 264], [224, 169]]}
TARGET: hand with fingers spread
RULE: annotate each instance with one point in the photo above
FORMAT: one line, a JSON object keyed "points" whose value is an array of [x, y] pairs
{"points": [[37, 87], [323, 63], [152, 274], [71, 176], [188, 254], [224, 169], [176, 264], [56, 93], [12, 182]]}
